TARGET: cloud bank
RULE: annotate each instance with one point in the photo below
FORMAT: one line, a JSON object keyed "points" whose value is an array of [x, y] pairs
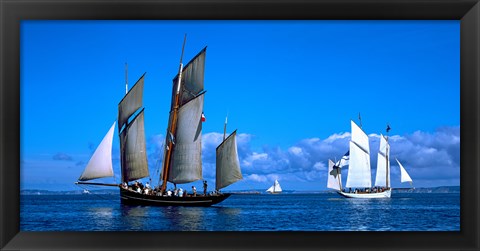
{"points": [[432, 159]]}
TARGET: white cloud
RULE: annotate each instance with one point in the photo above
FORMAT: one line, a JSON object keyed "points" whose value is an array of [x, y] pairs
{"points": [[421, 153], [295, 150]]}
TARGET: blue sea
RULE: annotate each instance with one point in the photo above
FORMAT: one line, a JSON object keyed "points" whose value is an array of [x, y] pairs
{"points": [[245, 212]]}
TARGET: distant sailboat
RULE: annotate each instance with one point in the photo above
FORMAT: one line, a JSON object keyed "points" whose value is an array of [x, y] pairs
{"points": [[275, 188], [359, 174], [182, 162]]}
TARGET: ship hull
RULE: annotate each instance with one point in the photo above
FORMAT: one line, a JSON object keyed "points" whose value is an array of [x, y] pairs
{"points": [[384, 194], [133, 198]]}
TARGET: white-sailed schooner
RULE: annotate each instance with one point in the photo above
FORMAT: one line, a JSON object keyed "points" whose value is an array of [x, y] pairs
{"points": [[275, 188], [182, 162], [359, 172]]}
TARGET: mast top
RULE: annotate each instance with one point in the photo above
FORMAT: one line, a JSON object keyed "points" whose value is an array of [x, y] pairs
{"points": [[180, 68], [183, 47], [360, 120], [126, 78]]}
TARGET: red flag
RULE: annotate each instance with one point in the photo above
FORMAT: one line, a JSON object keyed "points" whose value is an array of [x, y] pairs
{"points": [[203, 117]]}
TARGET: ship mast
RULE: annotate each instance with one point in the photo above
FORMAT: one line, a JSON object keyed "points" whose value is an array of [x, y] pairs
{"points": [[173, 125], [386, 156], [126, 78], [225, 128]]}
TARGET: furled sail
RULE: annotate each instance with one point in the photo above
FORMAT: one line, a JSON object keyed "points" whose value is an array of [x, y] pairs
{"points": [[131, 102], [186, 160], [134, 157], [334, 176], [275, 188], [228, 164], [100, 165], [359, 169], [383, 163], [192, 79], [404, 177]]}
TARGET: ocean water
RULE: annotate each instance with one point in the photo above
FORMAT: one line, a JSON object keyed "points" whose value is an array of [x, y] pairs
{"points": [[261, 212]]}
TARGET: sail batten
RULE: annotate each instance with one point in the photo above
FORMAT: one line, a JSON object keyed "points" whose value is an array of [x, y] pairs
{"points": [[227, 163], [100, 165]]}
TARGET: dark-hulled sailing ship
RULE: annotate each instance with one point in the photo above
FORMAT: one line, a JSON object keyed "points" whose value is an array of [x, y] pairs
{"points": [[182, 162]]}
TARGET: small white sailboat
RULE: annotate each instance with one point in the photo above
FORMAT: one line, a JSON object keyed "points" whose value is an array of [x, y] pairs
{"points": [[275, 188], [359, 175]]}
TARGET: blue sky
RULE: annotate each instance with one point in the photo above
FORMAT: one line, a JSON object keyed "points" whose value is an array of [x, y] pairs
{"points": [[289, 87]]}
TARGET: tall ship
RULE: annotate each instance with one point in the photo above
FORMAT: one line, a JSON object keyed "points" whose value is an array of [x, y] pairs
{"points": [[182, 162], [359, 184]]}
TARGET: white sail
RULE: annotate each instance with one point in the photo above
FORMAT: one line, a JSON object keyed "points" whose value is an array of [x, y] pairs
{"points": [[359, 169], [275, 188], [186, 162], [100, 165], [228, 164], [404, 177], [334, 177], [359, 137], [383, 163]]}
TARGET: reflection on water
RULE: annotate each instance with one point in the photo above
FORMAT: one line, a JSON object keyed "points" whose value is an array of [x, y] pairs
{"points": [[180, 218], [102, 217], [228, 211], [133, 217], [289, 212], [368, 214], [185, 218]]}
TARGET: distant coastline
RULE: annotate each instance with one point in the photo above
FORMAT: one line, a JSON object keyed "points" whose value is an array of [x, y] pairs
{"points": [[440, 189]]}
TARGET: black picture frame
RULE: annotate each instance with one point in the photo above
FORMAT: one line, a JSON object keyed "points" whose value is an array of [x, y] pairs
{"points": [[13, 11]]}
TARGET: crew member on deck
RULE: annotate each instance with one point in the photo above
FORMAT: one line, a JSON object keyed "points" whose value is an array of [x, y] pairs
{"points": [[205, 187]]}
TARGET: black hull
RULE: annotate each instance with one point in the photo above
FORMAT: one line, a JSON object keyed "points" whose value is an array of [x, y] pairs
{"points": [[133, 198]]}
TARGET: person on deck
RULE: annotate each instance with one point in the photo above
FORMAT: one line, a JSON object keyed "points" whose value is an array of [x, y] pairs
{"points": [[205, 187], [135, 186], [194, 190]]}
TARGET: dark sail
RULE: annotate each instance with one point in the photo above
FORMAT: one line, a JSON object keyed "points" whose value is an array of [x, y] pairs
{"points": [[133, 150], [228, 164], [192, 79], [132, 101], [186, 163]]}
